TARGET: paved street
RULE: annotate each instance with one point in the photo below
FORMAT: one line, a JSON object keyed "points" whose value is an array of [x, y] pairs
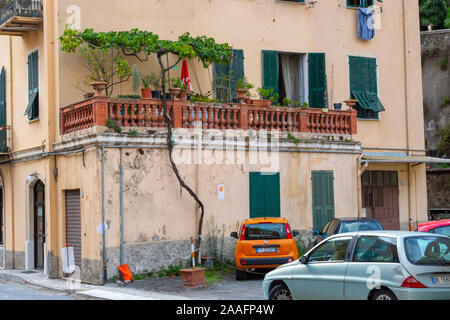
{"points": [[12, 291]]}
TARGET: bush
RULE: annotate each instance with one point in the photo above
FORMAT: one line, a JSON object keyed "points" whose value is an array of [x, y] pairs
{"points": [[444, 144]]}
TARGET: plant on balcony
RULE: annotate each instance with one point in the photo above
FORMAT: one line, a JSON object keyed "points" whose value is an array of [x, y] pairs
{"points": [[243, 87], [289, 103], [143, 81], [142, 44], [105, 66], [268, 97]]}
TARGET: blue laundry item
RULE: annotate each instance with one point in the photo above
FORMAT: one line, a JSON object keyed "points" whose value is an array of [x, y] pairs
{"points": [[366, 29]]}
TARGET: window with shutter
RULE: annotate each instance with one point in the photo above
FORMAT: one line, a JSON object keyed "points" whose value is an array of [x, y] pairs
{"points": [[32, 110], [264, 195], [364, 86], [270, 70], [359, 3], [322, 197], [226, 76], [317, 79]]}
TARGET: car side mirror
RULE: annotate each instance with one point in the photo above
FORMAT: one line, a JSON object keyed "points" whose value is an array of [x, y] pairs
{"points": [[295, 233], [304, 260], [234, 235]]}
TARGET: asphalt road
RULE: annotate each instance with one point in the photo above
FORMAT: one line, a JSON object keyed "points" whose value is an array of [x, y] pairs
{"points": [[12, 291]]}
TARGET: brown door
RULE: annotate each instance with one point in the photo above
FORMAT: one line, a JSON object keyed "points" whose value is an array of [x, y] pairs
{"points": [[39, 225], [73, 223], [381, 197]]}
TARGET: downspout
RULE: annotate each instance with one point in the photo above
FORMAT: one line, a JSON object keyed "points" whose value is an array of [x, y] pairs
{"points": [[11, 176], [103, 216], [122, 251], [360, 171], [405, 64]]}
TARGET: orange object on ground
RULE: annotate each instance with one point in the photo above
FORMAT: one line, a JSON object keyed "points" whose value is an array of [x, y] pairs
{"points": [[126, 273]]}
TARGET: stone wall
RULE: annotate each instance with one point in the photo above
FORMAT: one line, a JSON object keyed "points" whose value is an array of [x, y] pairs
{"points": [[438, 182], [436, 83]]}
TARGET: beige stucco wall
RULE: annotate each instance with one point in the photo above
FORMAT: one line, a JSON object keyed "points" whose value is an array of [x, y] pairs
{"points": [[253, 26], [154, 209]]}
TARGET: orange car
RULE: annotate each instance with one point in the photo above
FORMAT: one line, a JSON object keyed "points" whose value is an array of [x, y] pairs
{"points": [[264, 243]]}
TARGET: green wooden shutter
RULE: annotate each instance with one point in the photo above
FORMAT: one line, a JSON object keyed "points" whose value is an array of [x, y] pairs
{"points": [[32, 110], [323, 198], [237, 69], [3, 133], [2, 98], [316, 79], [270, 70], [264, 195], [221, 75]]}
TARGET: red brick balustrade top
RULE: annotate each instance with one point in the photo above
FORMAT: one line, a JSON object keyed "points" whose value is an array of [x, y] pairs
{"points": [[148, 113]]}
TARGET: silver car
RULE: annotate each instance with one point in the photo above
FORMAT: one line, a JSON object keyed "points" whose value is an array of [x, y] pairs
{"points": [[367, 265]]}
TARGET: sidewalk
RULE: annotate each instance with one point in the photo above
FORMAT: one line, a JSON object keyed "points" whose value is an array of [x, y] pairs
{"points": [[85, 291]]}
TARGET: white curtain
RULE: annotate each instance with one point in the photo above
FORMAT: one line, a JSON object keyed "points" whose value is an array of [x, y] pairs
{"points": [[292, 67]]}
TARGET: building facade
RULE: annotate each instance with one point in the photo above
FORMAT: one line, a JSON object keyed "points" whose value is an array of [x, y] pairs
{"points": [[65, 173]]}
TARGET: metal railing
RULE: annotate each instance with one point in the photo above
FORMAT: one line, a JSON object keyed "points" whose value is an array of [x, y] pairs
{"points": [[19, 8]]}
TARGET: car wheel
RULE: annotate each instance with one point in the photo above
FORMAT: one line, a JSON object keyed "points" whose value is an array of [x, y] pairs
{"points": [[383, 295], [280, 292], [241, 274]]}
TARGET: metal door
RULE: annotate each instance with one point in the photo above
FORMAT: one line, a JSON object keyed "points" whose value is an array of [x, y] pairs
{"points": [[73, 223]]}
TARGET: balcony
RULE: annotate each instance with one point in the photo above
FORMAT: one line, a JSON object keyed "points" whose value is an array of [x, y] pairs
{"points": [[147, 113], [18, 17]]}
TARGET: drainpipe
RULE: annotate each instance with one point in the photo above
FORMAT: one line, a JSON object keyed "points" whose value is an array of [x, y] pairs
{"points": [[11, 176], [103, 215], [405, 63], [122, 251]]}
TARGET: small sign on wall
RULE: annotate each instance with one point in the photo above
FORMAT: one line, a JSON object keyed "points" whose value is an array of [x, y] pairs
{"points": [[221, 191]]}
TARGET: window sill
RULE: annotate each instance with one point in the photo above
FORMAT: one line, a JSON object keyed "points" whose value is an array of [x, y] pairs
{"points": [[33, 120], [285, 1], [368, 119]]}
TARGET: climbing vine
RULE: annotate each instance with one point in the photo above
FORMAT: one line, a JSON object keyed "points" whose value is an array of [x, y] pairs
{"points": [[141, 44]]}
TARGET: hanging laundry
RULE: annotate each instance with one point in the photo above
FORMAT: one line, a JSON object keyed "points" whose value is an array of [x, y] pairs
{"points": [[366, 29]]}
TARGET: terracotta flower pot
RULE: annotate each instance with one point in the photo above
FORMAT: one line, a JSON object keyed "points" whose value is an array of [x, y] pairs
{"points": [[174, 92], [146, 93], [99, 87], [193, 277], [182, 95], [241, 93], [262, 103], [351, 103]]}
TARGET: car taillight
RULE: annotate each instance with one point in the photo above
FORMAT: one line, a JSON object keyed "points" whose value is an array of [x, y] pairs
{"points": [[288, 231], [412, 283], [243, 261], [242, 233], [290, 260]]}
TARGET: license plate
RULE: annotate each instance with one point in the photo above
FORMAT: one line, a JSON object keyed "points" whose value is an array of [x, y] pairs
{"points": [[444, 279], [266, 250]]}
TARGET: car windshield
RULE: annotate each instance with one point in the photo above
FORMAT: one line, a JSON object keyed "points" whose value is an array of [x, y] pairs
{"points": [[428, 250], [353, 226], [265, 231]]}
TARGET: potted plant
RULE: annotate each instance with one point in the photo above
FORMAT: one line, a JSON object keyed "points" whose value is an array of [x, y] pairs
{"points": [[176, 87], [155, 81], [243, 87], [146, 91], [142, 80], [268, 96]]}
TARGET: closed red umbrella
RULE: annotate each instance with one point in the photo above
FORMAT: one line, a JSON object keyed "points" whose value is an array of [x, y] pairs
{"points": [[185, 76]]}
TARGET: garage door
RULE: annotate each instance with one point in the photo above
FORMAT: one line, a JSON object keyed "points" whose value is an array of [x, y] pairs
{"points": [[73, 223]]}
